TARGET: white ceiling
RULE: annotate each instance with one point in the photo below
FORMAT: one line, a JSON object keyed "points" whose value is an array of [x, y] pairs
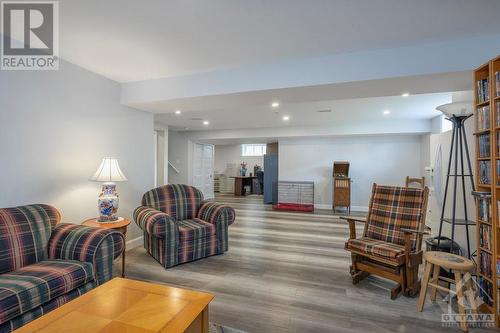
{"points": [[130, 40], [359, 110], [416, 85]]}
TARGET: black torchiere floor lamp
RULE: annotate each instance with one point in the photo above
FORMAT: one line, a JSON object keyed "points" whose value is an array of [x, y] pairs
{"points": [[457, 113]]}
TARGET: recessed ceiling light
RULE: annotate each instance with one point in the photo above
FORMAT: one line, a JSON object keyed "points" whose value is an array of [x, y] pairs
{"points": [[405, 94], [386, 112], [275, 104], [286, 118], [205, 122], [178, 111]]}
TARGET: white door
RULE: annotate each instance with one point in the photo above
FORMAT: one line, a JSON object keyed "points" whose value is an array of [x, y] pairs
{"points": [[203, 169]]}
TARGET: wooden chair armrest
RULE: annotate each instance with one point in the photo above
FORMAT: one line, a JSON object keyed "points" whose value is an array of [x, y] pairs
{"points": [[352, 224], [354, 219], [412, 257], [410, 231], [416, 258]]}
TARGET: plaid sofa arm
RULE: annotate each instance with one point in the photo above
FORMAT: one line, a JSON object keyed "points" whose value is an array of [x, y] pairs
{"points": [[97, 246], [156, 223], [220, 215], [214, 212]]}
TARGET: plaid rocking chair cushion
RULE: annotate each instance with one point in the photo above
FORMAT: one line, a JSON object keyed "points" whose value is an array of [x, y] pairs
{"points": [[375, 247], [392, 209]]}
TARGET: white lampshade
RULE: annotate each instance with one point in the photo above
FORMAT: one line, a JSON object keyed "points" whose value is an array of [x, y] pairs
{"points": [[457, 109], [109, 171]]}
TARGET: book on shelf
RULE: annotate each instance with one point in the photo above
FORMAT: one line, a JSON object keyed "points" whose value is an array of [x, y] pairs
{"points": [[497, 83], [483, 90], [483, 118], [498, 115], [486, 290], [497, 153], [484, 145], [485, 172], [485, 264], [484, 209], [498, 172], [485, 236]]}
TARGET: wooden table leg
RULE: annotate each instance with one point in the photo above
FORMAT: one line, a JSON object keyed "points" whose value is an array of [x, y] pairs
{"points": [[123, 262], [238, 187], [124, 232], [435, 276], [204, 324], [470, 293], [460, 299], [423, 289]]}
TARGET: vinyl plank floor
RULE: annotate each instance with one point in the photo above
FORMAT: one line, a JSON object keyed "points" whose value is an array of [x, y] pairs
{"points": [[289, 272]]}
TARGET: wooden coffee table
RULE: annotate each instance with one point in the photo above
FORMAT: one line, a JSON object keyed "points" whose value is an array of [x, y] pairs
{"points": [[123, 305]]}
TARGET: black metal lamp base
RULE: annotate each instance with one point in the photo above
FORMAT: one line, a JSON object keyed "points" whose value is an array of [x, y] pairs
{"points": [[458, 145]]}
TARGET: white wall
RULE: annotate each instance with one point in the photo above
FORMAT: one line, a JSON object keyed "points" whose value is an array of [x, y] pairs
{"points": [[384, 159], [55, 128], [225, 154]]}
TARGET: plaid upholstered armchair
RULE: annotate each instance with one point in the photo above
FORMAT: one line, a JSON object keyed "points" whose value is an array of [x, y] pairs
{"points": [[44, 263], [179, 226], [391, 245]]}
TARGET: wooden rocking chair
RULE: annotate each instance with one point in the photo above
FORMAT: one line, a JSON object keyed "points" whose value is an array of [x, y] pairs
{"points": [[415, 182], [391, 246]]}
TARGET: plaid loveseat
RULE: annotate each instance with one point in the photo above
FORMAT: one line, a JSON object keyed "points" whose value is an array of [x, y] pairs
{"points": [[44, 264], [179, 226]]}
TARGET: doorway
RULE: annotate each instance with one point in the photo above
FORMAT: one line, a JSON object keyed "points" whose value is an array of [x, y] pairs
{"points": [[203, 169]]}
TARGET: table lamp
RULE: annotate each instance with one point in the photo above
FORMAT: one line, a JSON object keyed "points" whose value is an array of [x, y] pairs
{"points": [[108, 172]]}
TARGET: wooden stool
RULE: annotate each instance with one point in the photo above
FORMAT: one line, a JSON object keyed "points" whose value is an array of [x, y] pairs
{"points": [[434, 261]]}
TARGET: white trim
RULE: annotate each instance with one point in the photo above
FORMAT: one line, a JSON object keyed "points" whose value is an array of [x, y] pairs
{"points": [[353, 208], [133, 243]]}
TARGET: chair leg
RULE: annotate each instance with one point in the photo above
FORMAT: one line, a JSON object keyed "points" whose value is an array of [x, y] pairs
{"points": [[413, 282], [396, 291], [353, 267], [435, 276], [356, 274], [403, 279], [460, 299], [423, 290]]}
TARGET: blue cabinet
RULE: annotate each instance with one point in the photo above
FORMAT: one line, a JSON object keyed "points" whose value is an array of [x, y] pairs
{"points": [[270, 178]]}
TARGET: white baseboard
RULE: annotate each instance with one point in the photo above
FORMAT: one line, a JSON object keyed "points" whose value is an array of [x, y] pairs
{"points": [[353, 208], [133, 243]]}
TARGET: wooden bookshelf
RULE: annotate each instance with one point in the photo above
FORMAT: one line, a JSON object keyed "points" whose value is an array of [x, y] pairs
{"points": [[487, 71]]}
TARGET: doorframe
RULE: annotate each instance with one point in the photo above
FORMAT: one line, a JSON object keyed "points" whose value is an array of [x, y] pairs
{"points": [[161, 155], [191, 176]]}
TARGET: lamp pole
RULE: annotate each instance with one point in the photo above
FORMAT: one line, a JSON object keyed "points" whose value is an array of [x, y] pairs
{"points": [[458, 144]]}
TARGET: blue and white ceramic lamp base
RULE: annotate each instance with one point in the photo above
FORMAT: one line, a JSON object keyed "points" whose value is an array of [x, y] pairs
{"points": [[108, 203]]}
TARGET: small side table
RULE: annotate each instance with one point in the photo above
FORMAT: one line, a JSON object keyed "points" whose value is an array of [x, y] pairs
{"points": [[434, 261], [120, 226]]}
